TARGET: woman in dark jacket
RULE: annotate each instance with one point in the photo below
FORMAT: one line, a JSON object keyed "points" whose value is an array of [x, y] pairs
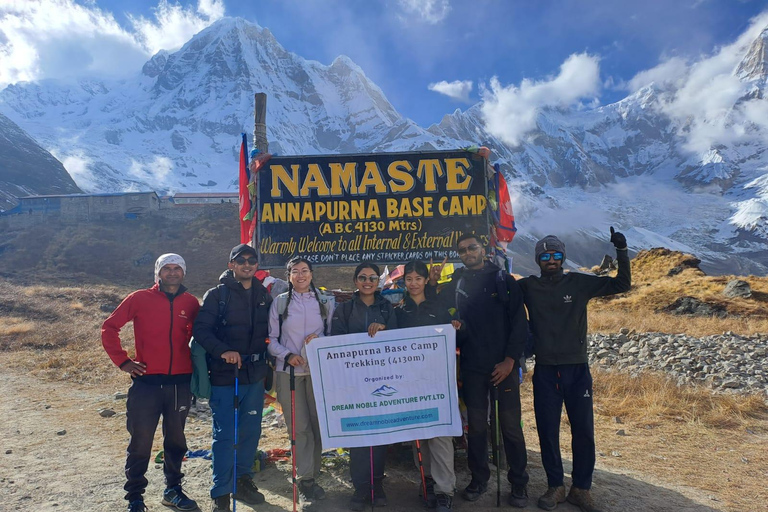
{"points": [[370, 312], [437, 454]]}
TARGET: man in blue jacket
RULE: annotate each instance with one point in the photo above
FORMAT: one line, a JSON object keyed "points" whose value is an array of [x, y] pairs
{"points": [[489, 305], [557, 311]]}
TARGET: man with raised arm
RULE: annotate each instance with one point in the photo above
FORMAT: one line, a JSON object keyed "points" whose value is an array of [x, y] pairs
{"points": [[557, 311]]}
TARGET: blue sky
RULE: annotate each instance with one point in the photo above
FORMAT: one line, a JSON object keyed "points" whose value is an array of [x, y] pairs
{"points": [[404, 46]]}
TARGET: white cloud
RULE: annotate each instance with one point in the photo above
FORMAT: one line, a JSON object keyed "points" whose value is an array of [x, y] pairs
{"points": [[212, 9], [429, 11], [157, 173], [709, 103], [63, 39], [670, 71], [510, 112], [78, 165], [458, 89], [174, 25]]}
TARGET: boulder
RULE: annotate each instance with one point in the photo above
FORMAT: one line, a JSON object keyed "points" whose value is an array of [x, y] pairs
{"points": [[695, 307], [737, 288]]}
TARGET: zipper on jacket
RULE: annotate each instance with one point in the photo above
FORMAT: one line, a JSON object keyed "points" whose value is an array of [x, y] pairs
{"points": [[170, 340]]}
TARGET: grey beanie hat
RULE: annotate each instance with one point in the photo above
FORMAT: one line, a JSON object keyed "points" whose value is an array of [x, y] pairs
{"points": [[549, 243]]}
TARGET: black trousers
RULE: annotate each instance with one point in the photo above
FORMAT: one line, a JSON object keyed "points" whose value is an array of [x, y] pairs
{"points": [[360, 465], [571, 384], [476, 391], [146, 403]]}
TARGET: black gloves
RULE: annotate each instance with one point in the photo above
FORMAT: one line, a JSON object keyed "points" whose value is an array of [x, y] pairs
{"points": [[618, 240]]}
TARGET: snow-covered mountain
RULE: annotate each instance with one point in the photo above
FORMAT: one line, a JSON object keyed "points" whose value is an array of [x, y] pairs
{"points": [[175, 126], [26, 168]]}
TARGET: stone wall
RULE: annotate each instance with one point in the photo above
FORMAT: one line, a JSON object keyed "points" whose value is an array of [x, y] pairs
{"points": [[73, 215]]}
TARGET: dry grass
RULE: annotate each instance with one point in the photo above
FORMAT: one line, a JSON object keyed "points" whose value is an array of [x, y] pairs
{"points": [[611, 320], [14, 325], [655, 285], [55, 332], [652, 399]]}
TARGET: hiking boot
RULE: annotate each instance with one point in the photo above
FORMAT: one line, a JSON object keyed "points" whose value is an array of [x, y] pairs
{"points": [[360, 498], [430, 501], [175, 497], [474, 490], [136, 506], [379, 498], [310, 490], [553, 496], [443, 502], [519, 496], [220, 504], [247, 492], [582, 499]]}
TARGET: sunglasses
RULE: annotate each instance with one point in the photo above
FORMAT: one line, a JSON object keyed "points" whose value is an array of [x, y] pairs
{"points": [[371, 279], [557, 256], [241, 260], [472, 248]]}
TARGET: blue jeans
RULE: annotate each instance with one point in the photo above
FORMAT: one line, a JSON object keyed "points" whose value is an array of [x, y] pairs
{"points": [[250, 409]]}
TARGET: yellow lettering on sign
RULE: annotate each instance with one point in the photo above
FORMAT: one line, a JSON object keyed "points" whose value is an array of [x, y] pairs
{"points": [[442, 207], [358, 209], [372, 178], [401, 181], [343, 178], [461, 205], [373, 210], [428, 172], [266, 213], [314, 180], [458, 179], [307, 214], [289, 181]]}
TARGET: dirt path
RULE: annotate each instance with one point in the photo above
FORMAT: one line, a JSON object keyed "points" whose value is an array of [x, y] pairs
{"points": [[43, 469]]}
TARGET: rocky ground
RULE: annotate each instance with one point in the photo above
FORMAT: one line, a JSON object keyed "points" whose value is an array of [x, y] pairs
{"points": [[726, 362]]}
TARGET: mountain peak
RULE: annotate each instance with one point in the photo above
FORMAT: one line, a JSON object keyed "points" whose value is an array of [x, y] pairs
{"points": [[754, 65]]}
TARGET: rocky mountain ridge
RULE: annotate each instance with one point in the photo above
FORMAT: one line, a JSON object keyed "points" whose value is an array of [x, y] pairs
{"points": [[175, 126], [28, 169]]}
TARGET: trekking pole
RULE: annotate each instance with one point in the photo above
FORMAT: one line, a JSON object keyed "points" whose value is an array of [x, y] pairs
{"points": [[421, 470], [293, 434], [234, 458], [498, 449], [371, 457]]}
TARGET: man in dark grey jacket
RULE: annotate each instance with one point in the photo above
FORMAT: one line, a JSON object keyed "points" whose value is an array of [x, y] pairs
{"points": [[557, 311], [489, 305]]}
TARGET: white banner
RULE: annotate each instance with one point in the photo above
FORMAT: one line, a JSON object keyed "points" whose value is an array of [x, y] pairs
{"points": [[397, 386]]}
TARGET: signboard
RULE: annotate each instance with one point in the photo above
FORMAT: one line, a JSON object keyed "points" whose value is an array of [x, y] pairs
{"points": [[383, 208], [398, 386]]}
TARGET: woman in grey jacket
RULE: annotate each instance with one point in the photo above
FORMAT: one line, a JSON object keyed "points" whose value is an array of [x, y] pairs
{"points": [[295, 318]]}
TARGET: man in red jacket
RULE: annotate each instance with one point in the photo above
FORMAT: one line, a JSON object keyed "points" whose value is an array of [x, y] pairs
{"points": [[161, 372]]}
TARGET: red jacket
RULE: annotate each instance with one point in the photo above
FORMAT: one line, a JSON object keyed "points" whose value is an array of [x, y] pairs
{"points": [[162, 329]]}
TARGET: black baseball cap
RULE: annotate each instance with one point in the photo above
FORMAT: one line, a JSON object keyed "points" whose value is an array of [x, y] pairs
{"points": [[241, 249]]}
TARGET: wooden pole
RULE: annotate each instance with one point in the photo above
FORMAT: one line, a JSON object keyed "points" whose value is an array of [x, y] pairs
{"points": [[260, 123], [260, 143]]}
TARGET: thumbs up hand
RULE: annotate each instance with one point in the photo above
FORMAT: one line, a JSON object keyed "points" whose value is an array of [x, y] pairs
{"points": [[618, 240]]}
